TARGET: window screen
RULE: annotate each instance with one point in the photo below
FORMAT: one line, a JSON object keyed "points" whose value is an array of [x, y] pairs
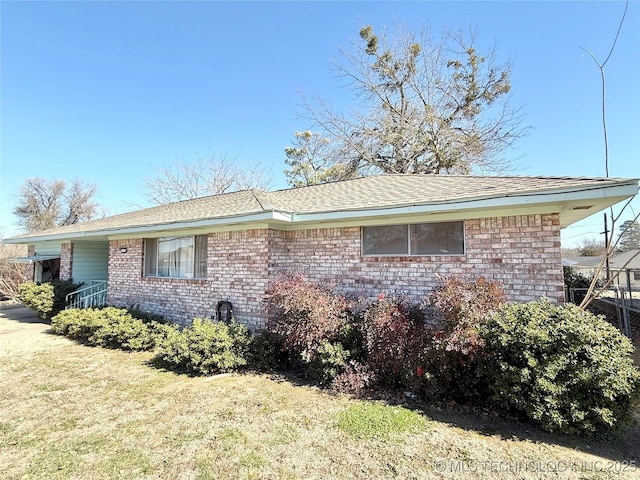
{"points": [[440, 238]]}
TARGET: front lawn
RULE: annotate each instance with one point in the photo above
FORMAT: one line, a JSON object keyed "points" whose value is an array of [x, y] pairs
{"points": [[71, 411]]}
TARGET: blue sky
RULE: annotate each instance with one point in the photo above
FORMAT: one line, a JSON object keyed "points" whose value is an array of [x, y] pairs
{"points": [[108, 92]]}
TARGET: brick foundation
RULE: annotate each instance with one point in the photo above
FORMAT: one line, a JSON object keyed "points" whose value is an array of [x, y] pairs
{"points": [[521, 252]]}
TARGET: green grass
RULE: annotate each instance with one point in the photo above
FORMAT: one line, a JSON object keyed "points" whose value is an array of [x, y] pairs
{"points": [[376, 420], [69, 411]]}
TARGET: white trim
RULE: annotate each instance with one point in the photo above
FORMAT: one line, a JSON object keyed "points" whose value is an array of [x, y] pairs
{"points": [[157, 228], [33, 258], [556, 197], [556, 200]]}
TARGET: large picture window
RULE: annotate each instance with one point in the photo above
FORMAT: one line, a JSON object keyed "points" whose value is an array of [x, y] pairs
{"points": [[176, 257], [441, 238]]}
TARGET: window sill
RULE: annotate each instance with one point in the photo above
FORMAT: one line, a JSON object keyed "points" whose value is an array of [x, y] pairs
{"points": [[175, 279], [415, 258]]}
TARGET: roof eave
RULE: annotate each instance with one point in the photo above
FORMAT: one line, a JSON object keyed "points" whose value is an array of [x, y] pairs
{"points": [[605, 196], [272, 216]]}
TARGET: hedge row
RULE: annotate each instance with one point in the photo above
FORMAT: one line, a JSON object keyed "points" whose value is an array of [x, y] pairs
{"points": [[559, 366], [562, 367], [47, 299], [204, 348]]}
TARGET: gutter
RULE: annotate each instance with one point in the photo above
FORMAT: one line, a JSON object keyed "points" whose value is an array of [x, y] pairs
{"points": [[274, 216], [508, 200], [620, 190]]}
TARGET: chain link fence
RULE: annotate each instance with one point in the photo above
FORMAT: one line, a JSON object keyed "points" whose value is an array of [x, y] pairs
{"points": [[621, 301]]}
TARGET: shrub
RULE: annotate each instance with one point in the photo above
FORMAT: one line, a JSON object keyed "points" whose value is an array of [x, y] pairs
{"points": [[314, 323], [118, 329], [136, 312], [109, 327], [392, 337], [267, 352], [305, 314], [456, 310], [328, 362], [47, 299], [207, 347], [577, 280], [12, 275], [562, 367], [356, 379], [61, 288], [38, 297], [78, 324]]}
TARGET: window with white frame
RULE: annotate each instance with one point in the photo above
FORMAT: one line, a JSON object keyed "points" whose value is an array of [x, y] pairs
{"points": [[176, 257], [438, 238]]}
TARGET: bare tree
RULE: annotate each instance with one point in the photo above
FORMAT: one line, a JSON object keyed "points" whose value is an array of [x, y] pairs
{"points": [[44, 204], [212, 176], [12, 275], [591, 247], [421, 106]]}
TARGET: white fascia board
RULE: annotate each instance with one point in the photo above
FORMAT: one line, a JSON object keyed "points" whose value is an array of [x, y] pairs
{"points": [[129, 232], [447, 215], [557, 197]]}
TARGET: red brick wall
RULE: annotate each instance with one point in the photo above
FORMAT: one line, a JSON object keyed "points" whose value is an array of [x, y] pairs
{"points": [[66, 261], [236, 271], [522, 252]]}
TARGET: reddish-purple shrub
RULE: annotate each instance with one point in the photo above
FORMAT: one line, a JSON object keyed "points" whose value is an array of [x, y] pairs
{"points": [[455, 311], [458, 309], [306, 314], [356, 379], [392, 338]]}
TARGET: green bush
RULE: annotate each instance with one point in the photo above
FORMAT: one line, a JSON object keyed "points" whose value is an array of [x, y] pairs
{"points": [[76, 323], [146, 317], [328, 363], [38, 297], [118, 329], [562, 367], [207, 347], [577, 280], [61, 288], [47, 299], [267, 352], [110, 327]]}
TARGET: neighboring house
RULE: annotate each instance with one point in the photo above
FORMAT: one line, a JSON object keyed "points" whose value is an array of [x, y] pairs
{"points": [[627, 262], [392, 233]]}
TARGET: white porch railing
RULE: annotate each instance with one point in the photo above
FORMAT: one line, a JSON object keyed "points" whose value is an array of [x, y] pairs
{"points": [[94, 295]]}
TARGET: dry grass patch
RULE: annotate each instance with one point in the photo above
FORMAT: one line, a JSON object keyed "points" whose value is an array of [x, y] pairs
{"points": [[74, 412]]}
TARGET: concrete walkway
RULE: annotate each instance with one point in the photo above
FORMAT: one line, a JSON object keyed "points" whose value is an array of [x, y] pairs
{"points": [[18, 313], [23, 334], [21, 331]]}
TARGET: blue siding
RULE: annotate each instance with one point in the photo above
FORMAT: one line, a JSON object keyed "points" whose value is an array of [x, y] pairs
{"points": [[90, 261], [47, 248]]}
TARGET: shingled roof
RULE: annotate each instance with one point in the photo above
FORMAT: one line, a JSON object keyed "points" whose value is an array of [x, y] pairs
{"points": [[367, 194]]}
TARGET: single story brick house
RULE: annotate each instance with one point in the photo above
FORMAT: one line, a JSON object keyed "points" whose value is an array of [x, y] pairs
{"points": [[392, 233]]}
